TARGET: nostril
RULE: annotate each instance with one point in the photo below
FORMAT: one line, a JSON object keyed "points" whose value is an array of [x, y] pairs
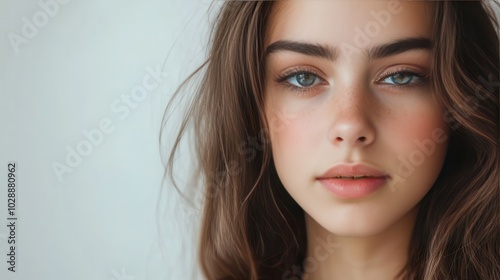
{"points": [[362, 138], [339, 139]]}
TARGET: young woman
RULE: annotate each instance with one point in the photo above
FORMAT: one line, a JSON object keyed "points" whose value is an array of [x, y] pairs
{"points": [[349, 140]]}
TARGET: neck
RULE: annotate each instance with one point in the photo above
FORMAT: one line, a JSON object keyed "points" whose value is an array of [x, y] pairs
{"points": [[381, 256]]}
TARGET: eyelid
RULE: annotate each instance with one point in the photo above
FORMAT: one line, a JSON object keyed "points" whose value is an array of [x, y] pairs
{"points": [[282, 79], [404, 69], [283, 76]]}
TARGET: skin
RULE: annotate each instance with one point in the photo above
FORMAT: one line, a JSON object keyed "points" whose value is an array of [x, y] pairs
{"points": [[353, 113]]}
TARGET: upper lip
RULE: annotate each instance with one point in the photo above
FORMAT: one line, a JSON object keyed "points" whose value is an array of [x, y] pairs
{"points": [[352, 170]]}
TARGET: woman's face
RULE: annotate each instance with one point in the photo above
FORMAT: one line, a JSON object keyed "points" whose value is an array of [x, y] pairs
{"points": [[357, 137]]}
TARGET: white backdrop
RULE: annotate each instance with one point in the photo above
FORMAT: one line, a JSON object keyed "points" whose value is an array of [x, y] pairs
{"points": [[83, 87]]}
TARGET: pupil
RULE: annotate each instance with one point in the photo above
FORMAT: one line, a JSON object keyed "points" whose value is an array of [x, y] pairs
{"points": [[306, 79]]}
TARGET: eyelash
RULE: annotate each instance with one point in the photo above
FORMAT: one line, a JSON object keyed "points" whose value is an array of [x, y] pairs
{"points": [[421, 79], [418, 79], [282, 79]]}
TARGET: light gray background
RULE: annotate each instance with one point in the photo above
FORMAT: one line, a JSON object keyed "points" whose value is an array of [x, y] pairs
{"points": [[98, 221]]}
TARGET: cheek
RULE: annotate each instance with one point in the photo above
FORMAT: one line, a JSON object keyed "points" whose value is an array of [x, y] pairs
{"points": [[407, 132], [290, 139], [294, 138], [419, 141], [289, 127]]}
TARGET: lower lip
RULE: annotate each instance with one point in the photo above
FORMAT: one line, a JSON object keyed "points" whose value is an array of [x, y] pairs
{"points": [[353, 188]]}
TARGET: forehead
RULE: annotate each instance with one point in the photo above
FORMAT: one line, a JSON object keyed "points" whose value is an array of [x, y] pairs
{"points": [[359, 23]]}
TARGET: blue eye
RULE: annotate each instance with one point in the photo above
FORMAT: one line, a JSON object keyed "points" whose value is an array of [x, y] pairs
{"points": [[401, 78], [303, 79]]}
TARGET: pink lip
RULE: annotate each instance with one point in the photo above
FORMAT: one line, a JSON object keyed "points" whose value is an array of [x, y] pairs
{"points": [[339, 181]]}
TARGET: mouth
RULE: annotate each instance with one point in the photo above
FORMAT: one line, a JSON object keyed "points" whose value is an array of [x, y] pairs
{"points": [[353, 181], [351, 177], [352, 171]]}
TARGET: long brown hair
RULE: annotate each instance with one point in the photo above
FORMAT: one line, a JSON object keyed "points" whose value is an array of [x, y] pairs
{"points": [[253, 229]]}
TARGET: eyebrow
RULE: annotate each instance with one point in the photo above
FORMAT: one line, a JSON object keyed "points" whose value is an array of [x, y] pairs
{"points": [[331, 52], [322, 51]]}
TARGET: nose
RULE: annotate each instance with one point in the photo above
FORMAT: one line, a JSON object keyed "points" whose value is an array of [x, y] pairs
{"points": [[351, 119]]}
